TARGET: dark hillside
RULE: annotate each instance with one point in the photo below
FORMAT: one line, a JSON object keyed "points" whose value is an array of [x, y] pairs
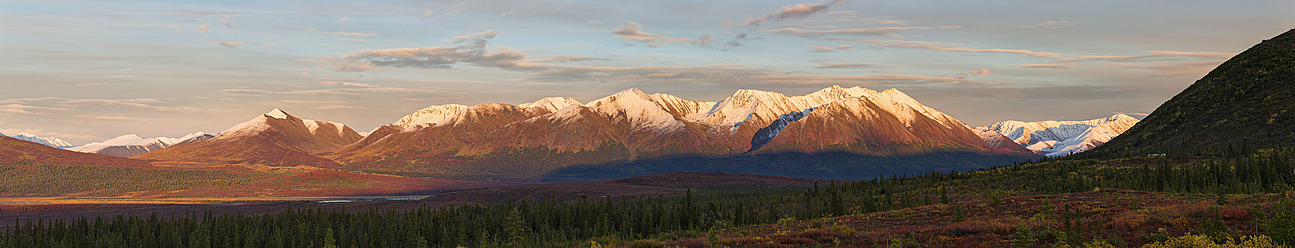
{"points": [[1246, 103]]}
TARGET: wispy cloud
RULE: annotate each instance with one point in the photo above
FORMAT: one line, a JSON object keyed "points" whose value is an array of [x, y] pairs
{"points": [[827, 49], [143, 103], [353, 35], [562, 58], [316, 105], [852, 66], [886, 31], [344, 19], [978, 72], [1060, 65], [478, 38], [122, 76], [32, 105], [793, 11], [634, 31], [203, 28], [1162, 55], [337, 88], [543, 70], [1194, 68], [226, 20], [17, 109], [951, 47], [229, 44], [1052, 24]]}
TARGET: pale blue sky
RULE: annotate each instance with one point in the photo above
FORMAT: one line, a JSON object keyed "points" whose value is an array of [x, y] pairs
{"points": [[90, 70]]}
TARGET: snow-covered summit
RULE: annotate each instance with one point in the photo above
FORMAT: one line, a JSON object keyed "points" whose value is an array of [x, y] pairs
{"points": [[432, 116], [637, 108], [1060, 138], [262, 123], [131, 144], [552, 104], [48, 141], [277, 113]]}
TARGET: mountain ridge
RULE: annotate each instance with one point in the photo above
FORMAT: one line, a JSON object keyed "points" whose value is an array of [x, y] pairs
{"points": [[130, 145], [274, 138], [47, 141], [552, 133], [1060, 138]]}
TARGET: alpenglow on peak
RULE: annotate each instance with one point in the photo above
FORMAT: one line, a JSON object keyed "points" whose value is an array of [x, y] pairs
{"points": [[277, 113]]}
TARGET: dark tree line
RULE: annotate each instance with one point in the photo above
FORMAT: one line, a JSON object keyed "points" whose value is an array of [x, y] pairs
{"points": [[552, 223]]}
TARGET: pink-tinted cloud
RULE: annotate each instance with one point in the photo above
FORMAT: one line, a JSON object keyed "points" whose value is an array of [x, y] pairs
{"points": [[852, 66], [353, 35], [886, 31], [793, 11], [827, 49], [950, 47], [634, 31]]}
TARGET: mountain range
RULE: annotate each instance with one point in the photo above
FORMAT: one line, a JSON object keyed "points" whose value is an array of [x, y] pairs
{"points": [[47, 141], [865, 133], [18, 151], [131, 145], [1061, 138], [835, 132]]}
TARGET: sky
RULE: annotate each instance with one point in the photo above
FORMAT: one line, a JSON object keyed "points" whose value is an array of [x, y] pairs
{"points": [[86, 71]]}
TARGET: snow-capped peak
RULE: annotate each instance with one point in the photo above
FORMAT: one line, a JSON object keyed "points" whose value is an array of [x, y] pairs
{"points": [[553, 104], [902, 106], [255, 125], [187, 137], [48, 141], [1060, 138], [432, 116], [277, 113], [314, 126], [131, 144], [627, 93], [638, 107]]}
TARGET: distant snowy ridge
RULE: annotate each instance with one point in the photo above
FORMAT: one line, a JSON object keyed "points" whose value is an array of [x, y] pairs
{"points": [[131, 144], [48, 141], [1060, 138]]}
